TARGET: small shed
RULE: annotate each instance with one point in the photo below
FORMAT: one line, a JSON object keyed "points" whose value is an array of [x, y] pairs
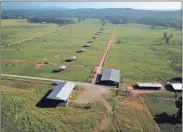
{"points": [[43, 22], [141, 85], [110, 77], [173, 86], [87, 45], [59, 69], [81, 50], [73, 58], [62, 92], [63, 67]]}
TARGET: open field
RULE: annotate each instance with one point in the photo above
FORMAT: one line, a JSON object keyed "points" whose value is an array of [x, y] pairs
{"points": [[130, 115], [162, 107], [18, 29], [143, 55], [19, 111], [59, 46]]}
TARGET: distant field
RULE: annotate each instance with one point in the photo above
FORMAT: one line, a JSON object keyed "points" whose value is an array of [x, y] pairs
{"points": [[20, 114], [60, 46], [163, 103], [143, 55], [18, 29]]}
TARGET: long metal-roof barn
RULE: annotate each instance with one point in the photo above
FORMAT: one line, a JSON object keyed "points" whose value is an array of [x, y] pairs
{"points": [[111, 75], [62, 91], [175, 86], [153, 85]]}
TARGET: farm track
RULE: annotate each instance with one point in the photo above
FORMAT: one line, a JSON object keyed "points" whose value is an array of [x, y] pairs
{"points": [[48, 79], [31, 38], [98, 67]]}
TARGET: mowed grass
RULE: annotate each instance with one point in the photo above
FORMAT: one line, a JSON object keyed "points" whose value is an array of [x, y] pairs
{"points": [[60, 46], [20, 114], [143, 55], [159, 104], [19, 29]]}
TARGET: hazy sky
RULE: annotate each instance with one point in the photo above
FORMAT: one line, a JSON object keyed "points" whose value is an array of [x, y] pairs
{"points": [[74, 5], [135, 5]]}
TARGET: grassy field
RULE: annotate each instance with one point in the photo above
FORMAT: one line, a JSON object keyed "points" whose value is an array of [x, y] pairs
{"points": [[18, 29], [143, 55], [163, 108], [132, 116], [20, 114], [60, 46]]}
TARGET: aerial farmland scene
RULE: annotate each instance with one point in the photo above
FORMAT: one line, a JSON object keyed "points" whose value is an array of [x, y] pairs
{"points": [[91, 67]]}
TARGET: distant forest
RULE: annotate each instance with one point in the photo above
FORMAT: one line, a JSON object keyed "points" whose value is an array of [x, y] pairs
{"points": [[114, 16]]}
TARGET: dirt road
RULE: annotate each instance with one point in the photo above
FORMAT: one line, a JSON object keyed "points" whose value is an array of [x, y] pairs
{"points": [[98, 67]]}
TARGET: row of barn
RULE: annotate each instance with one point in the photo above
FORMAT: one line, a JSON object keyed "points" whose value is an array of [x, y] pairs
{"points": [[63, 90], [169, 86], [74, 58]]}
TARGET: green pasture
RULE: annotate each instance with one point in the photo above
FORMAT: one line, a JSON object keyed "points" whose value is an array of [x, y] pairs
{"points": [[19, 29], [162, 107], [143, 55], [59, 46]]}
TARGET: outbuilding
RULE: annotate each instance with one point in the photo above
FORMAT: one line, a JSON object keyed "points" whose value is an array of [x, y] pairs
{"points": [[81, 50], [173, 86], [110, 77], [62, 92], [87, 45], [73, 58], [60, 68], [43, 22], [141, 85]]}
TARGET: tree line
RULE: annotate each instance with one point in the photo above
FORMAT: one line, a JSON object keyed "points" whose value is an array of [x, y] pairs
{"points": [[114, 16]]}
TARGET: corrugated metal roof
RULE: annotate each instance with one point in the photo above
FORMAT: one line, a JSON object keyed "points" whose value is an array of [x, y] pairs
{"points": [[73, 57], [176, 86], [63, 67], [111, 74], [158, 85], [62, 91]]}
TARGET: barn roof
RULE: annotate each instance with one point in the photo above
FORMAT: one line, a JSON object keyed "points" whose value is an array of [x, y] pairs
{"points": [[111, 75], [73, 57], [62, 67], [62, 91], [154, 85], [176, 86]]}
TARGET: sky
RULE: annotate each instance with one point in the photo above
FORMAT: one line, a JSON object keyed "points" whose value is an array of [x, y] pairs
{"points": [[134, 5], [99, 5]]}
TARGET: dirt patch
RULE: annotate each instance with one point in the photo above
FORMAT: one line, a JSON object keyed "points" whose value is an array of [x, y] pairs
{"points": [[39, 65], [91, 94], [56, 56], [18, 50]]}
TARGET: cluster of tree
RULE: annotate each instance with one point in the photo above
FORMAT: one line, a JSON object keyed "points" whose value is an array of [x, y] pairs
{"points": [[167, 36], [115, 16], [60, 21], [80, 19]]}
